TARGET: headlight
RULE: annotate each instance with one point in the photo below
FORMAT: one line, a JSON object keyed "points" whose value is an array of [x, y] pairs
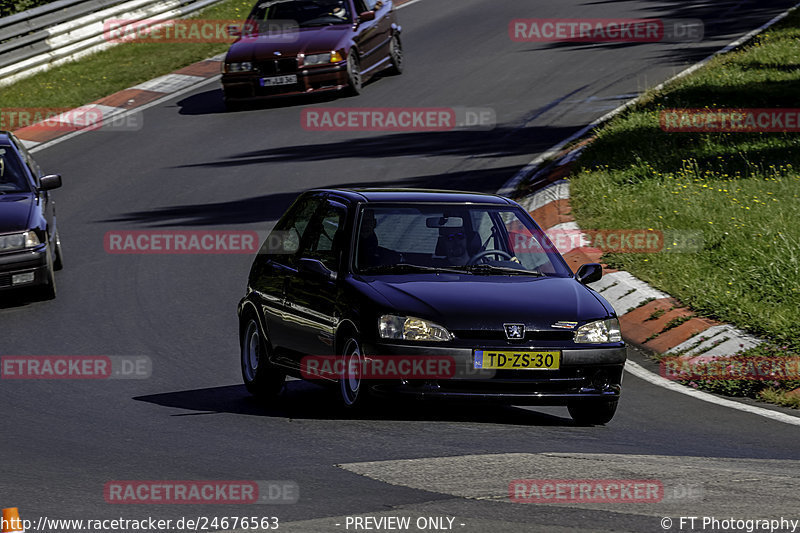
{"points": [[18, 241], [239, 67], [410, 328], [599, 332], [322, 59]]}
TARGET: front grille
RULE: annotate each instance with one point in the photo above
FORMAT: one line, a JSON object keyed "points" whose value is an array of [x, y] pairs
{"points": [[278, 66], [500, 335], [5, 280]]}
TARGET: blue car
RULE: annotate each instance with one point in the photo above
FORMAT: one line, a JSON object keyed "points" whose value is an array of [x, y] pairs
{"points": [[30, 248]]}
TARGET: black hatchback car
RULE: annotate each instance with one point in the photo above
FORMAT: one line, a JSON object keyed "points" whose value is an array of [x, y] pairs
{"points": [[431, 294], [30, 248]]}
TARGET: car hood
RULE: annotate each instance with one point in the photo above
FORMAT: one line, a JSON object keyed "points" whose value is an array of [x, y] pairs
{"points": [[488, 302], [309, 40], [15, 212]]}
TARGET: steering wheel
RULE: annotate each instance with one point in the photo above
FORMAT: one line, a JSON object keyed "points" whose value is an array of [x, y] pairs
{"points": [[480, 255]]}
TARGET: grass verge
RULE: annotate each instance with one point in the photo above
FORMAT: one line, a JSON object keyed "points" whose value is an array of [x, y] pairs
{"points": [[740, 192], [117, 68]]}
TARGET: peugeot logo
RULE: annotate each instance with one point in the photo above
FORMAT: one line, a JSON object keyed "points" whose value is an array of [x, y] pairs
{"points": [[514, 331]]}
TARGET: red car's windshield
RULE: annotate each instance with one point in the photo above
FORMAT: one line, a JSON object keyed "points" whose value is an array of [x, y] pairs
{"points": [[304, 13]]}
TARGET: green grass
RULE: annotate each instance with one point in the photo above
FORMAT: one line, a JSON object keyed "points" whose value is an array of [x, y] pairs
{"points": [[93, 77], [741, 190], [9, 7]]}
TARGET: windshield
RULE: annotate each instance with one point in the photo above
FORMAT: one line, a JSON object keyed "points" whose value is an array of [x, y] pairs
{"points": [[12, 177], [492, 240], [304, 13]]}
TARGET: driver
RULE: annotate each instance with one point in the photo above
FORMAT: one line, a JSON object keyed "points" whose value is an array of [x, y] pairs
{"points": [[455, 245], [339, 11]]}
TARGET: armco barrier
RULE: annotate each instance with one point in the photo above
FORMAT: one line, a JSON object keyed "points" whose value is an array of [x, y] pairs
{"points": [[35, 40]]}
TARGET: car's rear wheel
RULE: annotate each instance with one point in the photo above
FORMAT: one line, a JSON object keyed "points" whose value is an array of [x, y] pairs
{"points": [[58, 262], [354, 81], [262, 379], [351, 385], [396, 55], [592, 412]]}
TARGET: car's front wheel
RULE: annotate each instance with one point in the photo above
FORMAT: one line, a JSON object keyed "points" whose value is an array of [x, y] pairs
{"points": [[592, 412], [47, 291], [262, 379], [354, 80], [396, 55], [352, 388], [58, 262]]}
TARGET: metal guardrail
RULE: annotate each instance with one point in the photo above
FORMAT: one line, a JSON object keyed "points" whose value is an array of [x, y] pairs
{"points": [[35, 40]]}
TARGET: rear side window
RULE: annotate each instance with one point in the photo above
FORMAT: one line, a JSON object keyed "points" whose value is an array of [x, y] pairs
{"points": [[327, 235], [289, 231]]}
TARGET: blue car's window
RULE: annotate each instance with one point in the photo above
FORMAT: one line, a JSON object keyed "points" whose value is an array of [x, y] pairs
{"points": [[453, 236], [305, 13], [12, 177]]}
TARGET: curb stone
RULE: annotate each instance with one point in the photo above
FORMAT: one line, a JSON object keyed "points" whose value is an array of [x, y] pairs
{"points": [[644, 311]]}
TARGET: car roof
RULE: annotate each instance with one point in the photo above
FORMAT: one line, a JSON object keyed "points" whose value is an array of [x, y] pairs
{"points": [[375, 195]]}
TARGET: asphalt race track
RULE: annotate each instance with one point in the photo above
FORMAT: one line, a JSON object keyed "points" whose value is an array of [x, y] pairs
{"points": [[194, 166]]}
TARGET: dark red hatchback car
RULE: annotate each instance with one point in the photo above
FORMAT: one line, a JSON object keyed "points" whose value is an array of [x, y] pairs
{"points": [[293, 47]]}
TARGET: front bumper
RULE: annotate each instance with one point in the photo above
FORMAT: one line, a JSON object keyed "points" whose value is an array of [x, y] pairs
{"points": [[245, 86], [584, 373], [14, 264]]}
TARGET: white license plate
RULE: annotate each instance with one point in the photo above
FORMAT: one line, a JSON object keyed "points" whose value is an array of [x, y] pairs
{"points": [[290, 79]]}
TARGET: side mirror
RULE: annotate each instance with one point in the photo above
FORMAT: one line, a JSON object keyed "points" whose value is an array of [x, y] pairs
{"points": [[51, 181], [366, 16], [589, 273], [314, 266]]}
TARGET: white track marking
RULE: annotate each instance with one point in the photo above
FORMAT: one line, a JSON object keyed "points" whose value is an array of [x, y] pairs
{"points": [[642, 373]]}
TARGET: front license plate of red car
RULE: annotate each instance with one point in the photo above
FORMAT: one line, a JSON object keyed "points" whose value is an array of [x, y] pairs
{"points": [[517, 360], [290, 79]]}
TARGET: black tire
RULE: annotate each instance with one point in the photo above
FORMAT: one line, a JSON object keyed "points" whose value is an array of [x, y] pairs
{"points": [[352, 389], [592, 412], [262, 379], [48, 290], [58, 262], [233, 105], [354, 81], [396, 55]]}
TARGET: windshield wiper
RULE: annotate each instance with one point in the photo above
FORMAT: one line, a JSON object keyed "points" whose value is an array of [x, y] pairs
{"points": [[407, 267], [494, 269]]}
